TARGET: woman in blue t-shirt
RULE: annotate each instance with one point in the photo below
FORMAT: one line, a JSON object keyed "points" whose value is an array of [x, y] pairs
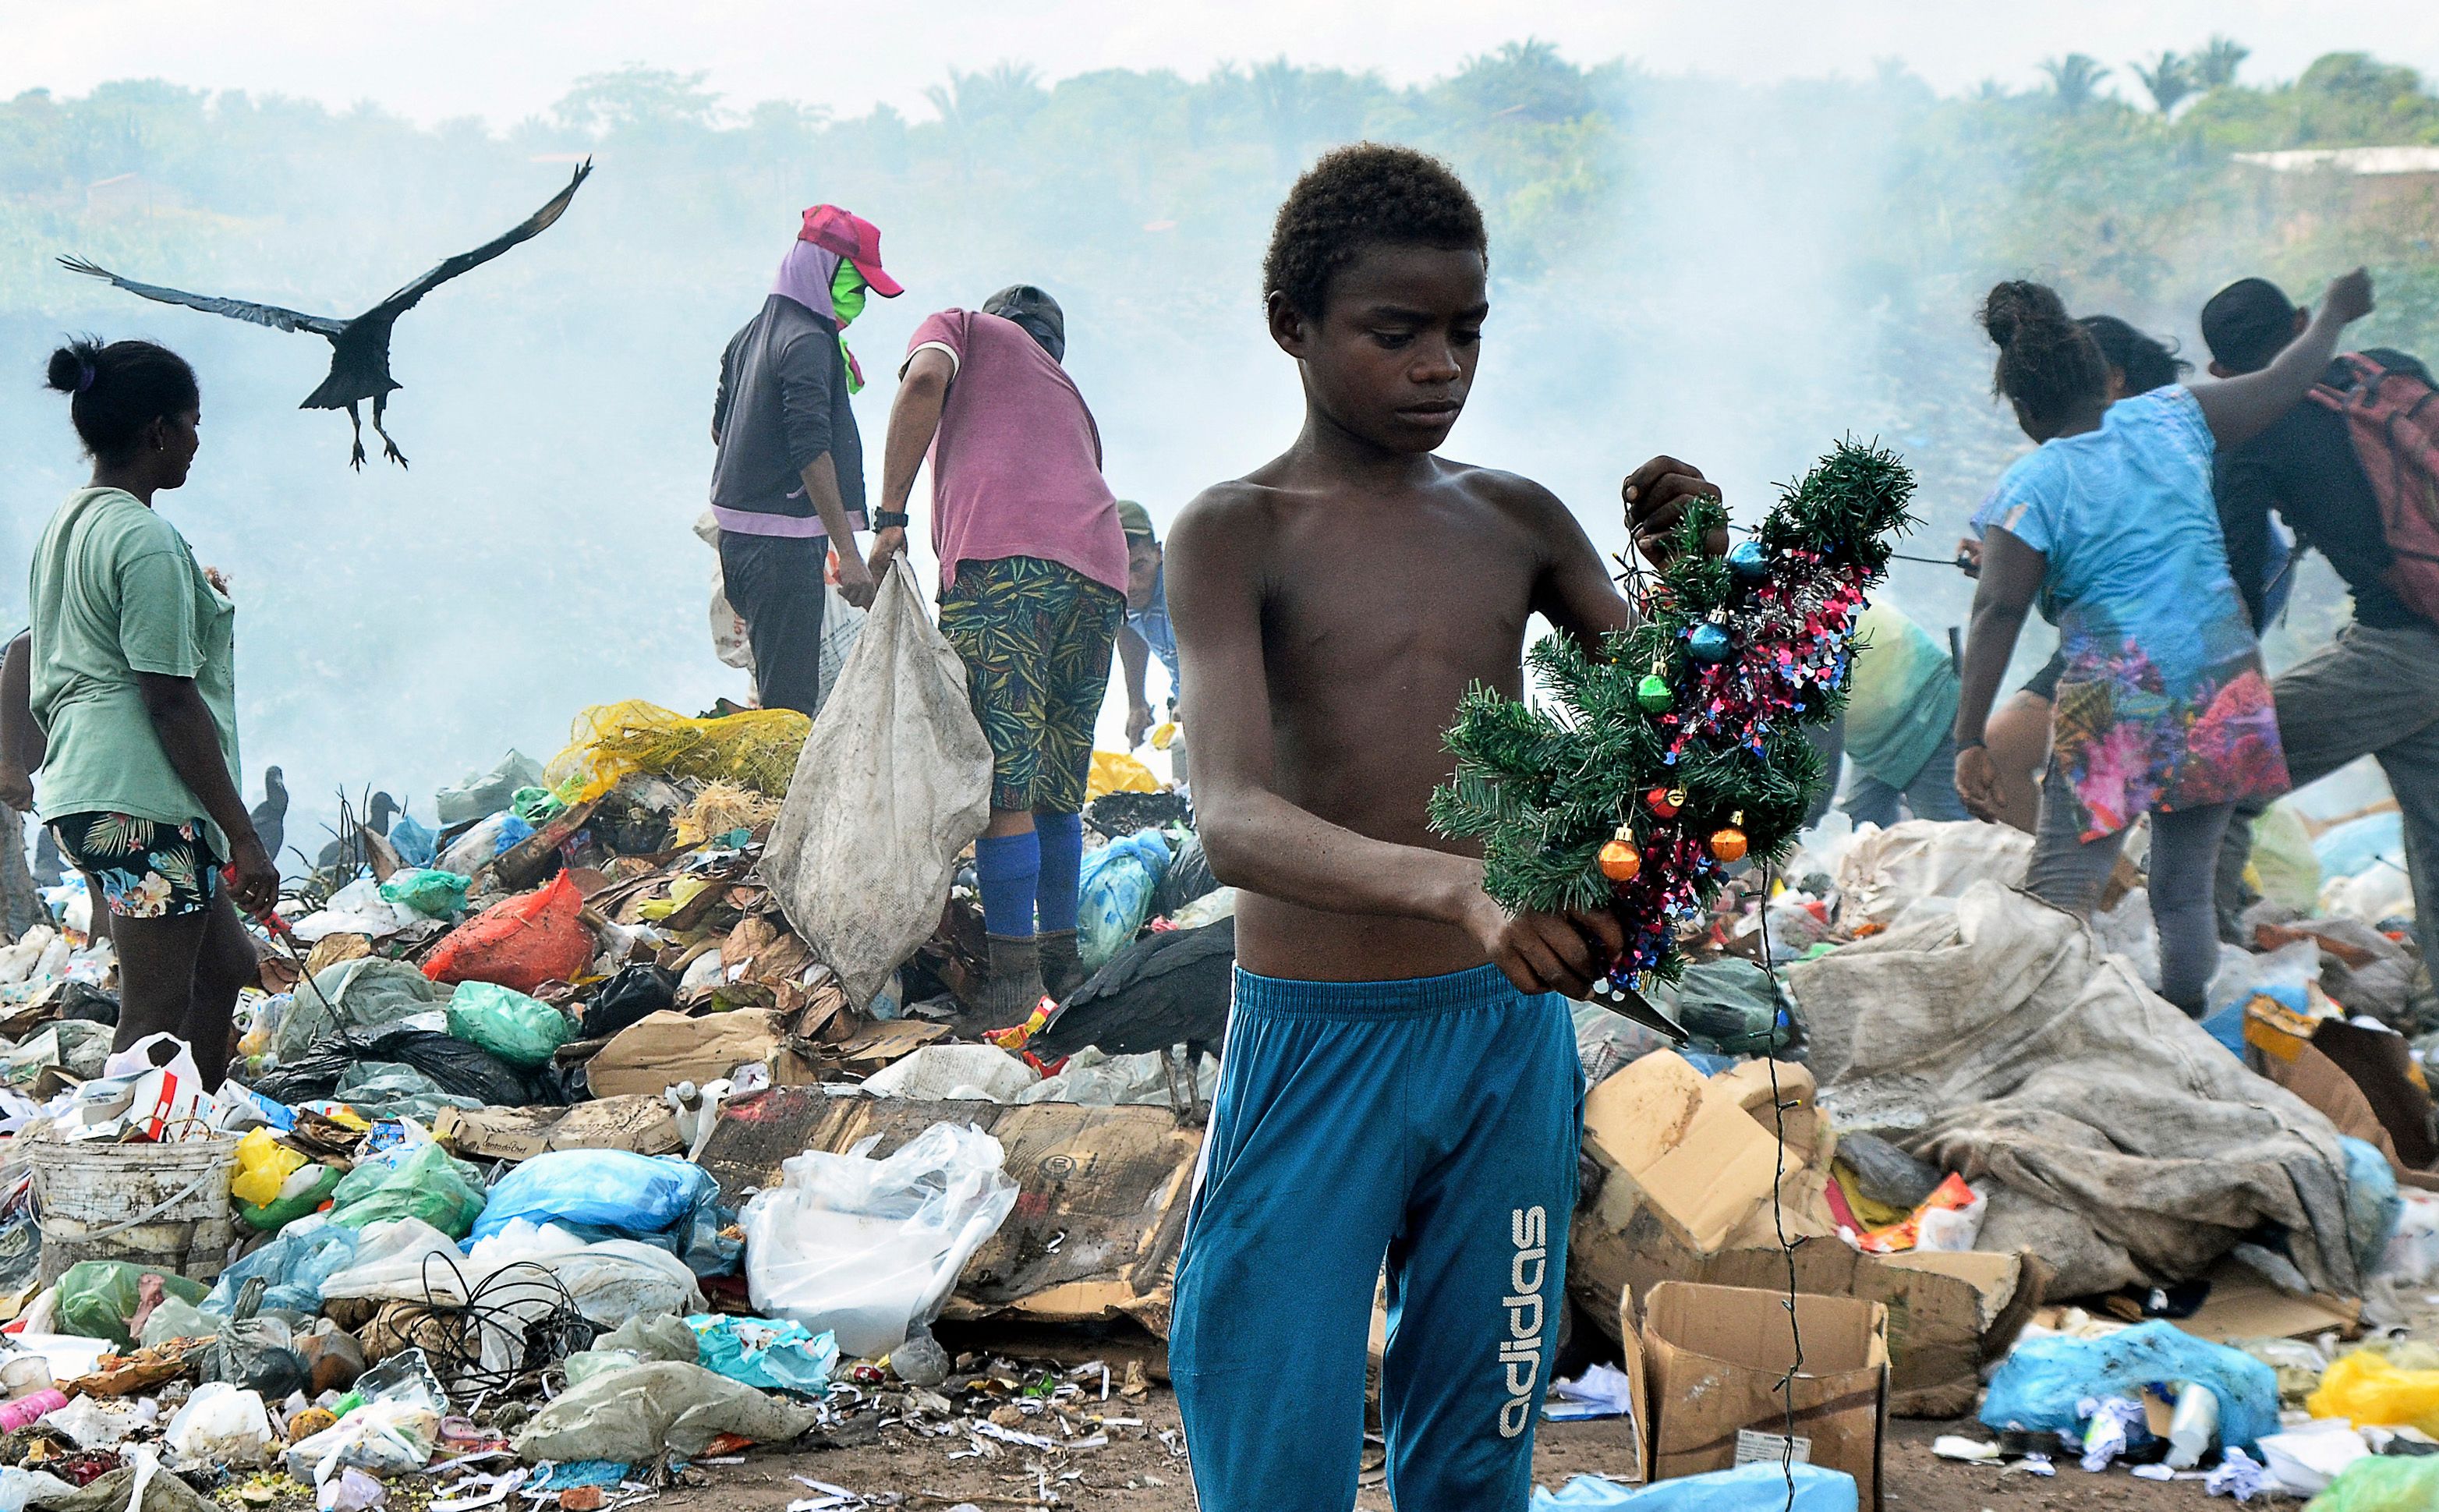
{"points": [[2161, 708]]}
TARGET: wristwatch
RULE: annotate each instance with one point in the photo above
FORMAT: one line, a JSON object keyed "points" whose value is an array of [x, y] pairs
{"points": [[889, 519]]}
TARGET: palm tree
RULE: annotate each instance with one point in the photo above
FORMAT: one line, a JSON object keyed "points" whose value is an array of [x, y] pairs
{"points": [[2075, 79], [2169, 80], [2217, 61]]}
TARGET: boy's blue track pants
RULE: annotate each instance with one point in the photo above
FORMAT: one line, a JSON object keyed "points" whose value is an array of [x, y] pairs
{"points": [[1431, 1121]]}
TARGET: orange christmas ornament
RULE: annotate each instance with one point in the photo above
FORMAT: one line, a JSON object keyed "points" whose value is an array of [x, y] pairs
{"points": [[1619, 859], [1728, 845]]}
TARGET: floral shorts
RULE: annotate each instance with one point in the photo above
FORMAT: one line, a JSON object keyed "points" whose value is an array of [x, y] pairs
{"points": [[1036, 638], [147, 869]]}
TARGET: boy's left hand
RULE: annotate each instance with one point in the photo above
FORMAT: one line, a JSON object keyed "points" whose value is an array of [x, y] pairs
{"points": [[1656, 496]]}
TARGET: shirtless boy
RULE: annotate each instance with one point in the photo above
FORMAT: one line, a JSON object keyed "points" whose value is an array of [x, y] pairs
{"points": [[1401, 1076]]}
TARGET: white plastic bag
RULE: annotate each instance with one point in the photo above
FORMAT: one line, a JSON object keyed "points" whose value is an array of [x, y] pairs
{"points": [[870, 1248], [894, 781], [223, 1424], [385, 1438], [1886, 869], [941, 1072]]}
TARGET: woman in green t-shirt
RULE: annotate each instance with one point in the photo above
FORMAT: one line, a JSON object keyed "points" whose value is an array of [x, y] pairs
{"points": [[134, 686]]}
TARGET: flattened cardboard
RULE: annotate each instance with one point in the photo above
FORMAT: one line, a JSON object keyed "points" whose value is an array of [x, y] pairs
{"points": [[1688, 1149], [1949, 1314], [1713, 1358], [2243, 1305], [635, 1122], [1101, 1198], [662, 1049]]}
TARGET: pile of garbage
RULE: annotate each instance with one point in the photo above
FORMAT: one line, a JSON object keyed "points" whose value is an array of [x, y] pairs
{"points": [[568, 1147]]}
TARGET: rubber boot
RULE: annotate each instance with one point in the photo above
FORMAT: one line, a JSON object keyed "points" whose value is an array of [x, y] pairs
{"points": [[1013, 989], [1062, 970]]}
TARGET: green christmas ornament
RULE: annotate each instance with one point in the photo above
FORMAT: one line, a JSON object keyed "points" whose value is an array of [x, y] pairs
{"points": [[1654, 694]]}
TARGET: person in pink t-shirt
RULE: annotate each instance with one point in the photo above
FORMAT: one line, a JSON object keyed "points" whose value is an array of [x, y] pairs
{"points": [[1033, 581]]}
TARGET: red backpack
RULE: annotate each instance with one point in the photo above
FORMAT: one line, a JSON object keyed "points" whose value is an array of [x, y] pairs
{"points": [[2395, 419]]}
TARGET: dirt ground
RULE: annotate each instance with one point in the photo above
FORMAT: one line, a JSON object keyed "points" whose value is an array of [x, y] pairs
{"points": [[1138, 1472]]}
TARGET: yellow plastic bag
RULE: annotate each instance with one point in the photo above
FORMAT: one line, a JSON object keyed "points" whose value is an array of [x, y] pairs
{"points": [[613, 741], [1117, 772], [264, 1165], [2365, 1389]]}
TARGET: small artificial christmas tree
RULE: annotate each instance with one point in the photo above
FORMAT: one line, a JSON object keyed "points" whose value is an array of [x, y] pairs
{"points": [[1679, 750]]}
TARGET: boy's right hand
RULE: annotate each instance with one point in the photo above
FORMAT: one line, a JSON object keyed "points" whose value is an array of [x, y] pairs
{"points": [[2349, 297], [1656, 496], [1547, 953]]}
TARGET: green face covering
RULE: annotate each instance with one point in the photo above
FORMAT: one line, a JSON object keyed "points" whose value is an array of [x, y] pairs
{"points": [[847, 294]]}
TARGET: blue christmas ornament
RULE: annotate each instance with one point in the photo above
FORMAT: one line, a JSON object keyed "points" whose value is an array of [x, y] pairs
{"points": [[1749, 562], [1708, 643]]}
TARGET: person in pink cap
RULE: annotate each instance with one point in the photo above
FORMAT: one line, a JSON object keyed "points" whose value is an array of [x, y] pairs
{"points": [[788, 480]]}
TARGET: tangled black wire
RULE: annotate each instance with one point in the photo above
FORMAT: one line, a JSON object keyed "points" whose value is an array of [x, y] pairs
{"points": [[452, 1334]]}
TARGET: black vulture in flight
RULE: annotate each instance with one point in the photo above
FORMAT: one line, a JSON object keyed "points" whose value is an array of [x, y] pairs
{"points": [[360, 348]]}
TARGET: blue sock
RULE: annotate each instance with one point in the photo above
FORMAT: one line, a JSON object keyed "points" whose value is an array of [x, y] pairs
{"points": [[1009, 869], [1062, 861]]}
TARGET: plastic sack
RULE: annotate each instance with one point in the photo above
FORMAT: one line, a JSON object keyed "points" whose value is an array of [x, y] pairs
{"points": [[430, 892], [631, 1343], [2382, 1484], [892, 784], [484, 793], [520, 1030], [612, 741], [1884, 870], [416, 844], [2039, 1385], [635, 993], [945, 1073], [611, 1281], [385, 1089], [457, 1068], [2368, 1390], [410, 1181], [2374, 1208], [763, 1354], [521, 942], [1742, 1490], [615, 1191], [97, 1297], [305, 1254], [366, 992], [635, 1414], [1115, 892], [866, 1248], [220, 1424], [176, 1318], [1138, 1080]]}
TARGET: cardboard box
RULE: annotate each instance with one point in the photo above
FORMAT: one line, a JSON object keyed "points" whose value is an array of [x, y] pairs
{"points": [[1949, 1314], [1713, 1359], [1101, 1192], [1701, 1154], [637, 1122], [662, 1049]]}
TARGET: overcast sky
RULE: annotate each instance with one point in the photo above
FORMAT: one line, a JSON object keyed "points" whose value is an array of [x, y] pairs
{"points": [[504, 59]]}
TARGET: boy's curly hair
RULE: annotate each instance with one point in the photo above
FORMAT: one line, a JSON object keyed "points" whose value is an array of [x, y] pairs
{"points": [[1361, 196]]}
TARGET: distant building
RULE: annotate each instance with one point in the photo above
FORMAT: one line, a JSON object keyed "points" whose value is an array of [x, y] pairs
{"points": [[2378, 180]]}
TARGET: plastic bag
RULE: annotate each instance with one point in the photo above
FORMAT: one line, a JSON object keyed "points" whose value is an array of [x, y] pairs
{"points": [[220, 1424], [98, 1297], [305, 1254], [1187, 878], [2382, 1484], [521, 942], [765, 1354], [635, 993], [2282, 865], [415, 843], [410, 1181], [483, 793], [638, 1413], [611, 1281], [366, 992], [892, 784], [176, 1318], [943, 1072], [1884, 870], [608, 1191], [385, 1438], [520, 1030], [2358, 845], [430, 892], [383, 1089], [1115, 892], [870, 1248], [2040, 1383], [1743, 1489], [535, 806], [613, 741], [2373, 1209], [263, 1165], [304, 1192], [459, 1069], [1117, 772], [2367, 1390]]}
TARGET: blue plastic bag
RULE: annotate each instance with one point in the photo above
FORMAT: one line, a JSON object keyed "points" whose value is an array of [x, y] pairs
{"points": [[2373, 1209], [608, 1194], [1114, 893], [415, 845], [305, 1254], [2358, 845], [512, 830], [1742, 1490], [2038, 1384], [765, 1354]]}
